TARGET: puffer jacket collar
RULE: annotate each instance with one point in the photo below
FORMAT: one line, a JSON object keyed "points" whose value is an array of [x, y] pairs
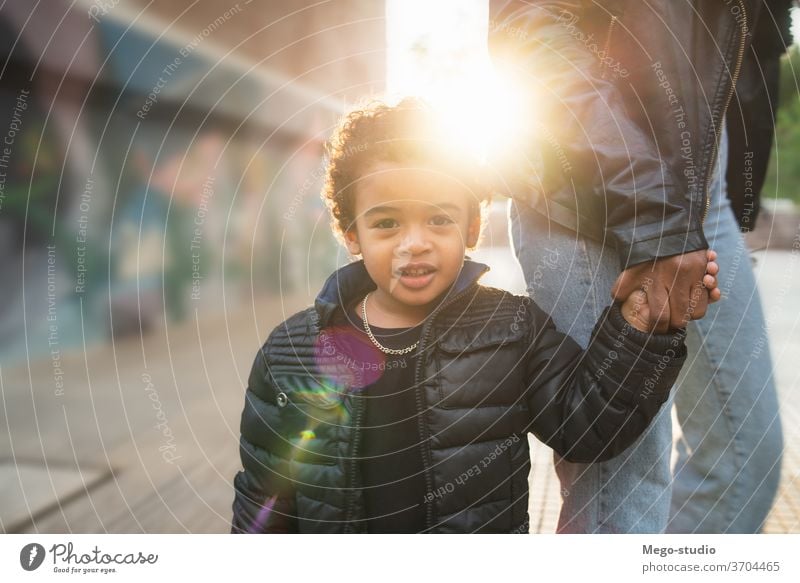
{"points": [[352, 281]]}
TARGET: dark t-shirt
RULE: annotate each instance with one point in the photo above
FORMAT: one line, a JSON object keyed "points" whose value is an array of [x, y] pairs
{"points": [[390, 457]]}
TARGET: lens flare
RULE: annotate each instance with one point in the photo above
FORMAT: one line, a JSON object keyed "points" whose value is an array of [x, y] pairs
{"points": [[439, 52]]}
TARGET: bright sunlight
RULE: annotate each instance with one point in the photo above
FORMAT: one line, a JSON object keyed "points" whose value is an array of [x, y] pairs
{"points": [[438, 51]]}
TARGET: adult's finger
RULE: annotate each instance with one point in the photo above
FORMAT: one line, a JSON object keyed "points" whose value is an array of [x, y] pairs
{"points": [[636, 312], [679, 307], [658, 300], [626, 283], [698, 303]]}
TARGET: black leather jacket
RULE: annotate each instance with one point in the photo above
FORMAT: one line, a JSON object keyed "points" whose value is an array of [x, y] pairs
{"points": [[630, 96], [492, 367]]}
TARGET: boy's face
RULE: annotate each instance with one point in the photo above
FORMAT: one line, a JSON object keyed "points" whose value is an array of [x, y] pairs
{"points": [[412, 227]]}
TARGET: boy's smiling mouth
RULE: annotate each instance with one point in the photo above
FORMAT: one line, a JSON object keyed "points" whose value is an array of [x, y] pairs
{"points": [[415, 275]]}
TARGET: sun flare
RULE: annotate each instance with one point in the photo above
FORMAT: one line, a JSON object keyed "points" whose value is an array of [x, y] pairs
{"points": [[438, 51]]}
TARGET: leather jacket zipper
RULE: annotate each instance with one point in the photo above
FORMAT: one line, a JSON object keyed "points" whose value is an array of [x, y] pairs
{"points": [[734, 78], [607, 45]]}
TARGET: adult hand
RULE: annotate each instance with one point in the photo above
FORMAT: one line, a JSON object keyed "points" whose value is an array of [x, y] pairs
{"points": [[675, 288]]}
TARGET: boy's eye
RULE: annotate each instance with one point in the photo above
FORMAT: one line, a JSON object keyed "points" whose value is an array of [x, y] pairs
{"points": [[385, 224], [440, 220]]}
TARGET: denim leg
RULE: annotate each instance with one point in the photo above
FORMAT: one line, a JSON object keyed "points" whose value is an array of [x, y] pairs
{"points": [[570, 278], [730, 442]]}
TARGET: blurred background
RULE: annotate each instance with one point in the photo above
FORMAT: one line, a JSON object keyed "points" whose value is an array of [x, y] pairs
{"points": [[160, 169]]}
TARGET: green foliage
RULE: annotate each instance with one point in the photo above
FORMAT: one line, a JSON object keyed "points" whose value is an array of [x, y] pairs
{"points": [[783, 175]]}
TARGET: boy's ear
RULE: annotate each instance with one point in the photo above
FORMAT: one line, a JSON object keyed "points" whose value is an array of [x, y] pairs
{"points": [[473, 231], [351, 241]]}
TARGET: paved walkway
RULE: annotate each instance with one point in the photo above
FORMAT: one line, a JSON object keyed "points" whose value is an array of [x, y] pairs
{"points": [[143, 437]]}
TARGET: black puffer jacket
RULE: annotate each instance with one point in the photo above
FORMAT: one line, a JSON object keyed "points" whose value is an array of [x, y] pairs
{"points": [[492, 368], [628, 101]]}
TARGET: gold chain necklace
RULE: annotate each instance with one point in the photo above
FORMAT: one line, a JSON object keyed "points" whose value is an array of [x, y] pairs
{"points": [[380, 346]]}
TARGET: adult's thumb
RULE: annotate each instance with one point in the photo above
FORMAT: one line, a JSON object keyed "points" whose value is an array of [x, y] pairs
{"points": [[624, 286]]}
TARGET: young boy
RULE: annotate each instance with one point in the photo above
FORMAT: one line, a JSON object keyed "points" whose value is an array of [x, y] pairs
{"points": [[401, 401]]}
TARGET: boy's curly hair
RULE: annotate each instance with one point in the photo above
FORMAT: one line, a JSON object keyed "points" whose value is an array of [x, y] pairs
{"points": [[378, 132]]}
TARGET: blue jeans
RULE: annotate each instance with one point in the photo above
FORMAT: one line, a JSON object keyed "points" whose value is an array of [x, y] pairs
{"points": [[730, 442]]}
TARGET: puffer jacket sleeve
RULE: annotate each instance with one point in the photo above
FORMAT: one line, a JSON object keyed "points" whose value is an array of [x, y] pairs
{"points": [[590, 405], [575, 107], [264, 494]]}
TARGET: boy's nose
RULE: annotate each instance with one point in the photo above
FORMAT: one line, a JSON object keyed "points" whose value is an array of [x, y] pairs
{"points": [[414, 242]]}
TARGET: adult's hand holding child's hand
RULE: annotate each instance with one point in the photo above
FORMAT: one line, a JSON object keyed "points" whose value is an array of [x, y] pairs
{"points": [[637, 310], [676, 288]]}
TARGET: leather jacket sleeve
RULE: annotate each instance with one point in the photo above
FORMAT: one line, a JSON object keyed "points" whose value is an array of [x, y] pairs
{"points": [[607, 171], [591, 405], [264, 493]]}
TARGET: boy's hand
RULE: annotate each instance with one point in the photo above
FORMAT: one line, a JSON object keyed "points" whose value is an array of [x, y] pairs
{"points": [[636, 309], [710, 278]]}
